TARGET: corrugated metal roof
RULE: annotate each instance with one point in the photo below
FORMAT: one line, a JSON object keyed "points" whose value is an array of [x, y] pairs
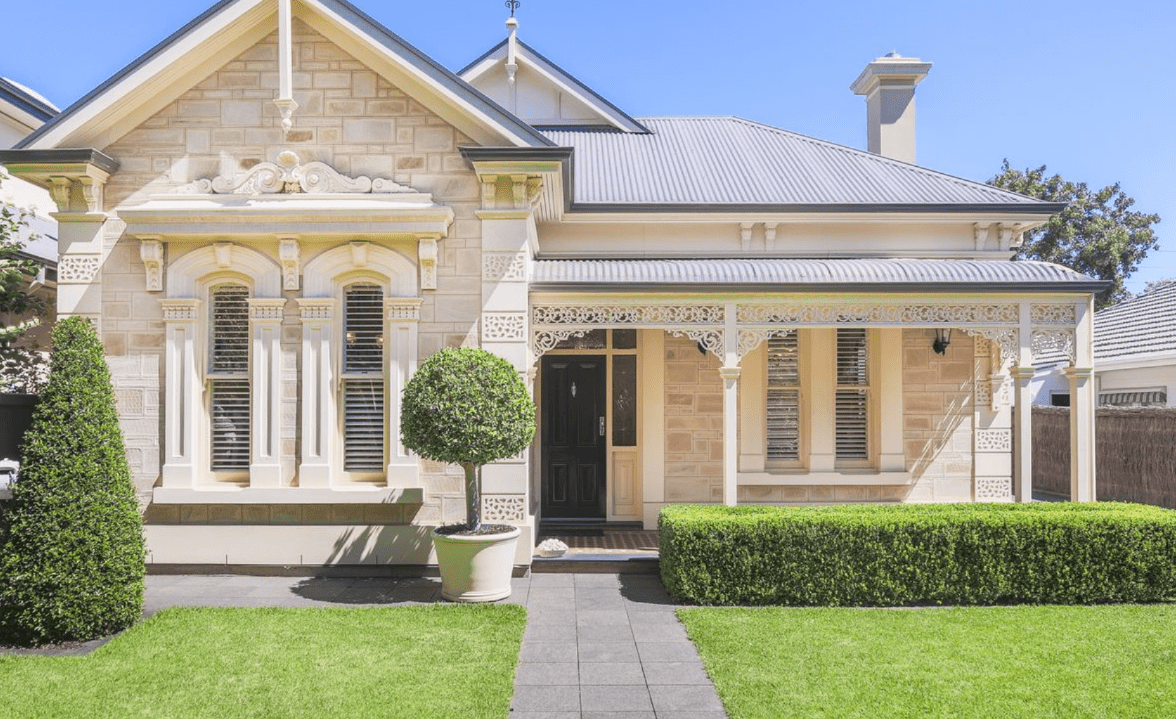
{"points": [[1142, 325], [993, 274], [731, 161]]}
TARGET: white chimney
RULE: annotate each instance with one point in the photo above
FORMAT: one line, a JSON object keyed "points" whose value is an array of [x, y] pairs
{"points": [[889, 86]]}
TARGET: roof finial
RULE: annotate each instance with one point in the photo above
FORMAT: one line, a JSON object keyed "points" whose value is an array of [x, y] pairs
{"points": [[513, 5]]}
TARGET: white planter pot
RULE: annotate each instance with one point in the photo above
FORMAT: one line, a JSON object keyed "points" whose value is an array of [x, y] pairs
{"points": [[476, 568]]}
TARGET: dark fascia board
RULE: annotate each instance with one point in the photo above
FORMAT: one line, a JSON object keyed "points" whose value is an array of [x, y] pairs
{"points": [[1036, 208], [69, 156], [1082, 286], [26, 102], [639, 128], [389, 39]]}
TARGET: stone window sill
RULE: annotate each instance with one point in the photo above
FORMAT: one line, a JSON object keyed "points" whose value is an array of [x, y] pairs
{"points": [[289, 495], [847, 477]]}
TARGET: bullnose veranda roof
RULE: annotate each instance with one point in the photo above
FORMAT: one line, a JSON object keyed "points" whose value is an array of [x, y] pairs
{"points": [[730, 161], [1142, 325], [822, 274]]}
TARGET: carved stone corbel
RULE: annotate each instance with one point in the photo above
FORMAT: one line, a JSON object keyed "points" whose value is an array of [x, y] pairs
{"points": [[1005, 232], [745, 229], [60, 188], [980, 234], [91, 193], [770, 236], [489, 191], [290, 253], [427, 255], [151, 252], [519, 186]]}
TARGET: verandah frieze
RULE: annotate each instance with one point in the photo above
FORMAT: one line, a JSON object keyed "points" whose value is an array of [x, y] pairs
{"points": [[757, 322]]}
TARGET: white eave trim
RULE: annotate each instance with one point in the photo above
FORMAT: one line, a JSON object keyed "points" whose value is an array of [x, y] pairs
{"points": [[1139, 361]]}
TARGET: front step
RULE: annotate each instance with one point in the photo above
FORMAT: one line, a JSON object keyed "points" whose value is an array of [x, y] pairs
{"points": [[596, 564]]}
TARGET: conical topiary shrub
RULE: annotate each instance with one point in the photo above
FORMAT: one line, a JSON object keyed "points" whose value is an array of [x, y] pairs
{"points": [[72, 563]]}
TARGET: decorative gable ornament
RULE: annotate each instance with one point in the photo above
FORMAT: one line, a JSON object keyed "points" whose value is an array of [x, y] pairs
{"points": [[289, 176]]}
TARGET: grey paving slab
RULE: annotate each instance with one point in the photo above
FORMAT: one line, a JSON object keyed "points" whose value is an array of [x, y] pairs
{"points": [[675, 673], [604, 633], [616, 715], [607, 652], [615, 698], [693, 698], [547, 673], [546, 698], [661, 632], [548, 652], [619, 674], [666, 651], [551, 632]]}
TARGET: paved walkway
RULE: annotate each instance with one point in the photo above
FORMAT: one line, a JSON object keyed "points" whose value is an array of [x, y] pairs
{"points": [[597, 646]]}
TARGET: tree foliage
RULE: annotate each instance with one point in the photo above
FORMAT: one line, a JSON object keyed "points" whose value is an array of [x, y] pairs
{"points": [[21, 367], [72, 563], [1098, 233], [467, 406]]}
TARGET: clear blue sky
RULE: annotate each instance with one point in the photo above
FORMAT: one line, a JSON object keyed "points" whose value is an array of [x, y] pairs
{"points": [[1083, 87]]}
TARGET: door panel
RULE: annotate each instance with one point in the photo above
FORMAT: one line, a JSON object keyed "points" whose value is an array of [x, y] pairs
{"points": [[573, 443]]}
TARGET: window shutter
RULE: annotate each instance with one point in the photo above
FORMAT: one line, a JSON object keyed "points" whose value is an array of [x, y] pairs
{"points": [[783, 398], [363, 379], [852, 399], [229, 378]]}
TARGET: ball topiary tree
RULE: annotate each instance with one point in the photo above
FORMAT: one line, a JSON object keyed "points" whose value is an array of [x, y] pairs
{"points": [[466, 406], [72, 563]]}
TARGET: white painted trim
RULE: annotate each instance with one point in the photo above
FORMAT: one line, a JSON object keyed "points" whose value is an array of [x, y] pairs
{"points": [[198, 268], [825, 478]]}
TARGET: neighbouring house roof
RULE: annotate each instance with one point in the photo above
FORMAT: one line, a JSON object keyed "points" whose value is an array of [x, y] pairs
{"points": [[917, 275], [26, 100], [1141, 326], [725, 163]]}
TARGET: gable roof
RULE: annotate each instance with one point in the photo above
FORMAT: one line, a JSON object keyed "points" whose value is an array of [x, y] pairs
{"points": [[557, 76], [1141, 326], [728, 163], [162, 73]]}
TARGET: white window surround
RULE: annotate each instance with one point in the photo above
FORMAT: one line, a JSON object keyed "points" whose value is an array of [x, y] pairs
{"points": [[326, 277], [818, 463], [186, 464]]}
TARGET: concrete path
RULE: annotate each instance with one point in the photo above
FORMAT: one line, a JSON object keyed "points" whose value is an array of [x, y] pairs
{"points": [[597, 646]]}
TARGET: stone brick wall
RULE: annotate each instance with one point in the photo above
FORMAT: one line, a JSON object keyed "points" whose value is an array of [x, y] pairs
{"points": [[938, 417], [349, 118], [694, 423]]}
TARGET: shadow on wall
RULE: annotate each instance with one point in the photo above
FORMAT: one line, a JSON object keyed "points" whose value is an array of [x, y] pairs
{"points": [[938, 404]]}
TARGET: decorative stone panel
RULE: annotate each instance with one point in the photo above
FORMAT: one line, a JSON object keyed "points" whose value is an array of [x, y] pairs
{"points": [[994, 440], [504, 267], [1055, 314], [78, 269], [653, 315], [504, 508], [504, 326], [994, 489]]}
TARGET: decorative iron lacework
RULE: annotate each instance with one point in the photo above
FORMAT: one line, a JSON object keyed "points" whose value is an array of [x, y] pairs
{"points": [[1004, 339], [1058, 340], [1062, 314], [604, 315], [983, 393], [878, 314], [78, 269], [288, 176], [709, 340], [504, 508], [994, 489], [750, 339], [994, 440], [547, 340], [504, 267], [504, 326]]}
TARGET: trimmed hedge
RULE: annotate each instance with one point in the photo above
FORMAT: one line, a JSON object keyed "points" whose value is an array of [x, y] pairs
{"points": [[896, 555], [72, 562]]}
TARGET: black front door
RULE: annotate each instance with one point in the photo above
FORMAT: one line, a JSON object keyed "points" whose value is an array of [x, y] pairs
{"points": [[573, 437]]}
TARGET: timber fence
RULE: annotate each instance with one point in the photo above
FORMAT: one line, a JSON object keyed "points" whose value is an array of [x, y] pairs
{"points": [[1135, 454]]}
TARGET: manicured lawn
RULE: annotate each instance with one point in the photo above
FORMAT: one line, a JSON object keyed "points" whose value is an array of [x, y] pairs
{"points": [[429, 661], [1025, 662]]}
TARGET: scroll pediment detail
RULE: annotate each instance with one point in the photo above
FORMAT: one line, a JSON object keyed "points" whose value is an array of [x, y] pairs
{"points": [[290, 176]]}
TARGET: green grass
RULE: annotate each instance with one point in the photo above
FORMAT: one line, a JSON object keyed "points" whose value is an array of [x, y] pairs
{"points": [[1030, 662], [430, 661]]}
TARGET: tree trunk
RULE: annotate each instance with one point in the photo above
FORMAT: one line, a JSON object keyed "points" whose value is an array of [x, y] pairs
{"points": [[473, 504]]}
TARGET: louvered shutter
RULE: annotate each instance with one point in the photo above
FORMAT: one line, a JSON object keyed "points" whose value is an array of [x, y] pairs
{"points": [[783, 398], [228, 373], [363, 379], [852, 398]]}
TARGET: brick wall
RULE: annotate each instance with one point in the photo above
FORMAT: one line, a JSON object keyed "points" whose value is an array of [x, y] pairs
{"points": [[694, 423]]}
